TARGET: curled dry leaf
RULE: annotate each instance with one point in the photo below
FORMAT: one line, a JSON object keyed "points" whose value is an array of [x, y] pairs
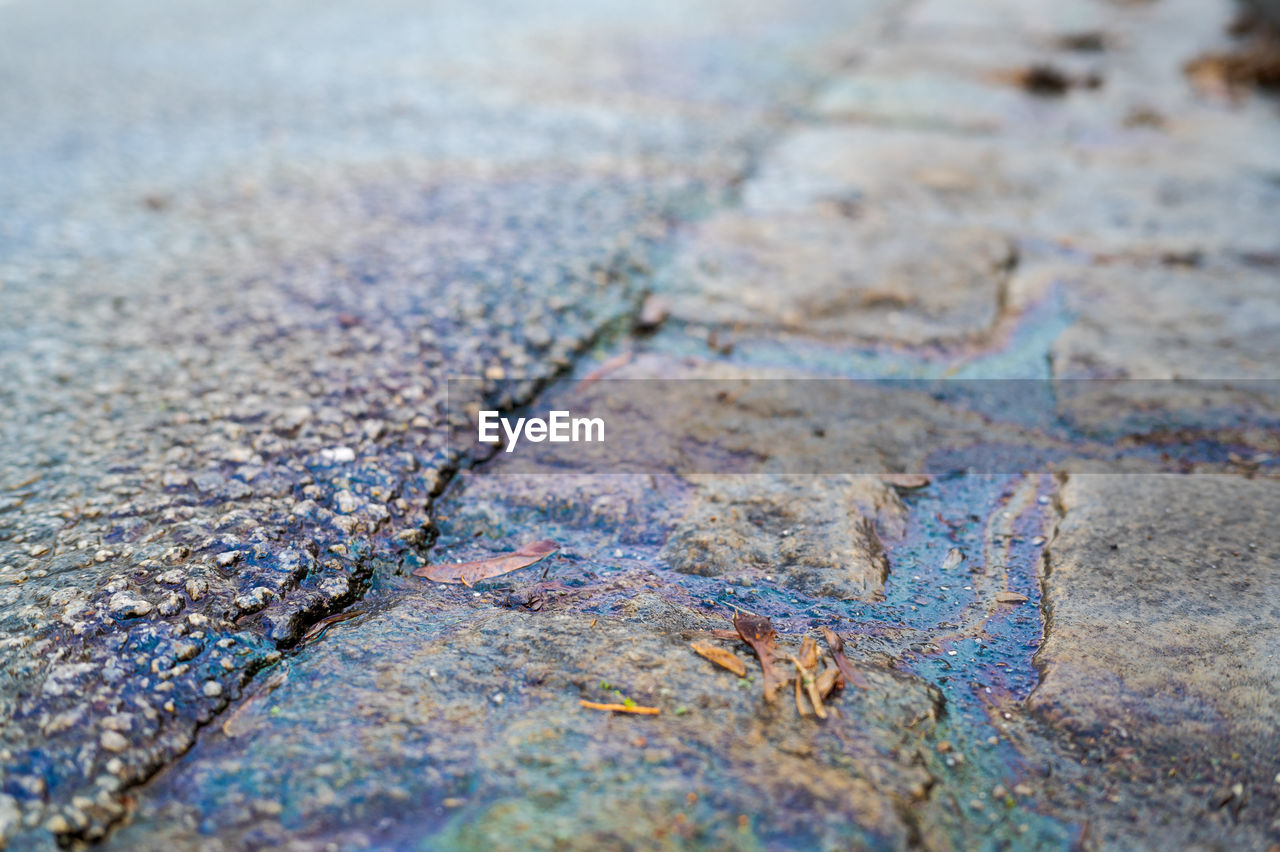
{"points": [[721, 657], [1011, 597], [836, 645], [467, 573], [757, 631]]}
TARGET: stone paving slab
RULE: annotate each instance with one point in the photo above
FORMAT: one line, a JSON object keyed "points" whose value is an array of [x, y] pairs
{"points": [[1128, 199], [846, 277], [513, 761], [1161, 651]]}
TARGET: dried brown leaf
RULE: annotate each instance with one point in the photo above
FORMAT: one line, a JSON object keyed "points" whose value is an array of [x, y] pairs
{"points": [[757, 631], [829, 681], [906, 481], [1011, 597], [721, 657], [328, 621], [621, 708], [836, 645], [241, 721], [807, 673], [1228, 74], [1046, 81], [468, 573], [618, 361], [809, 653], [244, 719]]}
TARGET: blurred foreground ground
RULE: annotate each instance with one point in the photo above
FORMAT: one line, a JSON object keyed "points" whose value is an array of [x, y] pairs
{"points": [[242, 250]]}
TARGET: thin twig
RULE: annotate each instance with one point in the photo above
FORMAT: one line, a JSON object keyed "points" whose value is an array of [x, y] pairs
{"points": [[621, 708]]}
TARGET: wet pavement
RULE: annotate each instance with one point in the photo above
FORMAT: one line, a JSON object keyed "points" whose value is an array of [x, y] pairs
{"points": [[245, 251]]}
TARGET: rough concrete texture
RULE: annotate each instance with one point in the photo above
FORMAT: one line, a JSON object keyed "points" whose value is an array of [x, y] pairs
{"points": [[513, 761], [243, 250], [1161, 651]]}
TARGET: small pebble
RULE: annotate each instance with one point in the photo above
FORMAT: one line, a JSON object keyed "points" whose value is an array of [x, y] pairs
{"points": [[339, 454], [196, 588], [113, 741], [128, 605], [653, 313], [255, 599], [171, 604], [267, 807], [120, 722], [57, 824], [346, 502]]}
